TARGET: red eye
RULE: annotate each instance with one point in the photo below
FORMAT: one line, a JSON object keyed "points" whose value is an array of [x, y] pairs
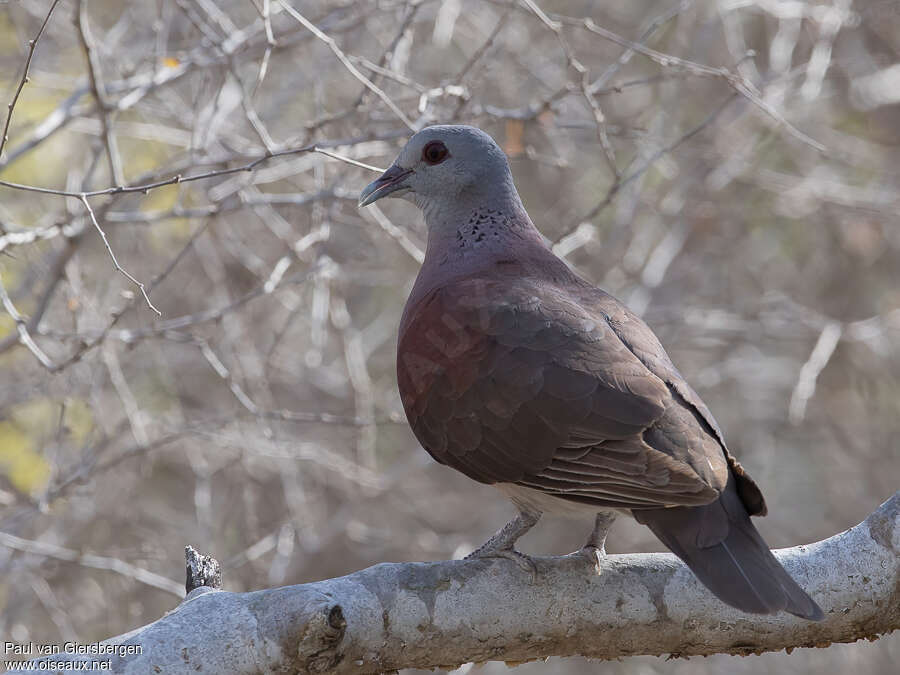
{"points": [[435, 152]]}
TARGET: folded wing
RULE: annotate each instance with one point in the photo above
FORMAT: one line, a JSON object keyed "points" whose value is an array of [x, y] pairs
{"points": [[522, 383]]}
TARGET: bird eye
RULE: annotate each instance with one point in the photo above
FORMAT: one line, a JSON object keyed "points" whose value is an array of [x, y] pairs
{"points": [[435, 152]]}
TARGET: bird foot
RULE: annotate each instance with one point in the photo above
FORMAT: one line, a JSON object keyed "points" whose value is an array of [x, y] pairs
{"points": [[595, 548], [593, 554], [521, 559], [501, 545]]}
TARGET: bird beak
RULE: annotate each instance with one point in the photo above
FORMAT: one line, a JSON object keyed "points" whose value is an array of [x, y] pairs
{"points": [[390, 181]]}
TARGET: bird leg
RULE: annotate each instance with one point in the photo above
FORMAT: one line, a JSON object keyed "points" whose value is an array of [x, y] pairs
{"points": [[596, 544], [502, 544]]}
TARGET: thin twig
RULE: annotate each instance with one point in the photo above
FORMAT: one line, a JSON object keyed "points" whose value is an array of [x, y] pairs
{"points": [[127, 275], [99, 562], [266, 14], [99, 91], [809, 373], [32, 44], [22, 328], [179, 178], [374, 213], [387, 52], [88, 344], [342, 57], [617, 186], [654, 25], [53, 276], [348, 160], [583, 76], [476, 56], [735, 80]]}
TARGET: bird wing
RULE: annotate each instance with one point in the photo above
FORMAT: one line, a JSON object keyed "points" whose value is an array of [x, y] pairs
{"points": [[644, 344], [517, 381]]}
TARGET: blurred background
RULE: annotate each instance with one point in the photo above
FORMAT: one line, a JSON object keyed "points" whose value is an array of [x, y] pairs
{"points": [[745, 203]]}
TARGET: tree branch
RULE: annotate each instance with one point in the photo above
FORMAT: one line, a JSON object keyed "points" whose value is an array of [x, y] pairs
{"points": [[442, 614], [32, 45]]}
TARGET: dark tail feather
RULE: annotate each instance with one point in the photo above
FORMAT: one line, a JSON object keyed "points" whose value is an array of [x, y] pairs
{"points": [[722, 547]]}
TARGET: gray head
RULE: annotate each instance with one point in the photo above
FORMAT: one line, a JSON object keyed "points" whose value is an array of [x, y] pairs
{"points": [[445, 167]]}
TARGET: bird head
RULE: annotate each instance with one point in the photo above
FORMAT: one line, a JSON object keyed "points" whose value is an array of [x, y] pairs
{"points": [[442, 163]]}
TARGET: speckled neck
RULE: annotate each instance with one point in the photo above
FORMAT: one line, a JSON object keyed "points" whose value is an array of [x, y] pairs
{"points": [[482, 217], [476, 238], [484, 229]]}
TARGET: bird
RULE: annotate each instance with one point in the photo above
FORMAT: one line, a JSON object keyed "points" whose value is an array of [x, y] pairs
{"points": [[521, 374]]}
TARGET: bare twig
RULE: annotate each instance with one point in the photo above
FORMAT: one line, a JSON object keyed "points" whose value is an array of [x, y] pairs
{"points": [[597, 85], [348, 160], [555, 21], [360, 379], [266, 13], [57, 268], [583, 77], [634, 175], [48, 550], [809, 373], [22, 329], [112, 255], [99, 91], [736, 81], [179, 178], [136, 418], [32, 45], [342, 57], [483, 48], [412, 8], [374, 213]]}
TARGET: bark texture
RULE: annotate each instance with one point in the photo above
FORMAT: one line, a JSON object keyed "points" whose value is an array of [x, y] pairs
{"points": [[443, 614]]}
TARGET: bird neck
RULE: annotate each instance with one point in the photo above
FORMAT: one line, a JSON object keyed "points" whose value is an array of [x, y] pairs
{"points": [[484, 216], [473, 235], [474, 229]]}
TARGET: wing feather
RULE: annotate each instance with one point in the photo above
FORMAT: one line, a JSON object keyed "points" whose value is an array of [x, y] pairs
{"points": [[522, 383]]}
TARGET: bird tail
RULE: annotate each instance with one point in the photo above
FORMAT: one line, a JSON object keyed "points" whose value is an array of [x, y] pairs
{"points": [[726, 552]]}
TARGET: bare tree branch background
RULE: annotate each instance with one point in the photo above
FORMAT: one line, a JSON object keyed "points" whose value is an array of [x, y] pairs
{"points": [[728, 169]]}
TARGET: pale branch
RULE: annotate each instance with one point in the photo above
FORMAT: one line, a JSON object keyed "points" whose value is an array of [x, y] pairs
{"points": [[98, 89], [620, 183], [133, 89], [100, 562], [736, 81], [25, 337], [348, 64], [443, 614]]}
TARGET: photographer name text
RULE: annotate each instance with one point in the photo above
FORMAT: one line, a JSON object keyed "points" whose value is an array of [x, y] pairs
{"points": [[49, 649]]}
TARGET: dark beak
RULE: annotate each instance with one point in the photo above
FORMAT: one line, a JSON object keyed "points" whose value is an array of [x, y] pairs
{"points": [[390, 181]]}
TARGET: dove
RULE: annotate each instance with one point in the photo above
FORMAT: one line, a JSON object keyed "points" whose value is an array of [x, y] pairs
{"points": [[519, 373]]}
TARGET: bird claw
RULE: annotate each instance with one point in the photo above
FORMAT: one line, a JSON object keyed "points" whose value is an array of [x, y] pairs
{"points": [[522, 560], [502, 544], [594, 555], [595, 548]]}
